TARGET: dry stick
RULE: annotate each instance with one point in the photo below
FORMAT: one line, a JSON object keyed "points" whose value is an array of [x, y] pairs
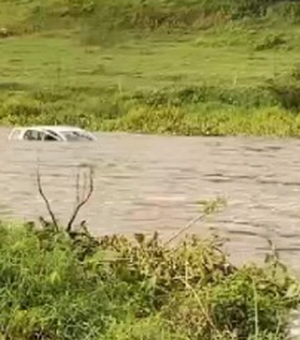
{"points": [[256, 321], [48, 206], [82, 203], [186, 227], [190, 224]]}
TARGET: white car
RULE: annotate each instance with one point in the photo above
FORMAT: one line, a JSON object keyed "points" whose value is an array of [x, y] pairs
{"points": [[51, 133]]}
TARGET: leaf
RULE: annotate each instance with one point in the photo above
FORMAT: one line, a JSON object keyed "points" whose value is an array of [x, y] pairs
{"points": [[293, 291], [55, 277], [140, 238]]}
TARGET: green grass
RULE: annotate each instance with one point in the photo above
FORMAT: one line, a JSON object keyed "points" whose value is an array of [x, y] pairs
{"points": [[56, 285], [94, 64], [40, 61], [217, 68]]}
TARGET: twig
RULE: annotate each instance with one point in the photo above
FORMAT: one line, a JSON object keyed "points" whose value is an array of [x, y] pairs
{"points": [[186, 227], [209, 208], [82, 202], [48, 206], [256, 321]]}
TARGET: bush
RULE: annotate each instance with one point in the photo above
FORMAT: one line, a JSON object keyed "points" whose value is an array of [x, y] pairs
{"points": [[270, 42], [179, 96], [286, 89], [101, 18], [287, 10], [58, 285]]}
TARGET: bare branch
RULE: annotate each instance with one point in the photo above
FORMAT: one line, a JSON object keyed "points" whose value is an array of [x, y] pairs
{"points": [[47, 203], [186, 227], [209, 208], [82, 201]]}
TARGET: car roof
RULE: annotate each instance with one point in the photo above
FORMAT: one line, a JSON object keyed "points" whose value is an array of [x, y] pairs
{"points": [[60, 128]]}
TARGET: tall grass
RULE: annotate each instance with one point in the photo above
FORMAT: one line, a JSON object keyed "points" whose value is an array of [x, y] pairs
{"points": [[192, 110], [56, 285], [104, 15]]}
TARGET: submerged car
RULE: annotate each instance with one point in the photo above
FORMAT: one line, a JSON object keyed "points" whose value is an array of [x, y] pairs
{"points": [[51, 133]]}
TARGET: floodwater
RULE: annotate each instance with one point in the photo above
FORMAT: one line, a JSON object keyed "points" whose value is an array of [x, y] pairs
{"points": [[152, 183]]}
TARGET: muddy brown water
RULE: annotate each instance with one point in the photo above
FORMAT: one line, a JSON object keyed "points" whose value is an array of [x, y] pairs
{"points": [[152, 183]]}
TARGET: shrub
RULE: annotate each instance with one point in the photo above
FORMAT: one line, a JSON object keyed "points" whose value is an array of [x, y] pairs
{"points": [[270, 42], [142, 288]]}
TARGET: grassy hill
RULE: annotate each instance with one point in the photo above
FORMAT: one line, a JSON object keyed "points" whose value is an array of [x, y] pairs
{"points": [[218, 67]]}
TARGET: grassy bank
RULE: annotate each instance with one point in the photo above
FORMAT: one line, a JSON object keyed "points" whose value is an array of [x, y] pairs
{"points": [[180, 67], [58, 285]]}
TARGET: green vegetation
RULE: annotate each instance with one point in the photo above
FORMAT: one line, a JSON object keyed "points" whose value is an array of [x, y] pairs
{"points": [[59, 285], [63, 283], [218, 67]]}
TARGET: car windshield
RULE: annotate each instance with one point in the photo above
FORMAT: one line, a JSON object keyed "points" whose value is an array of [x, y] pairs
{"points": [[15, 133], [76, 136]]}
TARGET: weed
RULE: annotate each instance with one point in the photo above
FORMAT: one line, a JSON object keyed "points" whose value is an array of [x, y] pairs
{"points": [[133, 288], [270, 42], [62, 283]]}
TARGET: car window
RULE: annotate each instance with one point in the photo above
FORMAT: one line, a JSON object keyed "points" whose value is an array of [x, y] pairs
{"points": [[15, 134], [76, 136], [35, 135], [52, 136], [32, 135], [49, 138]]}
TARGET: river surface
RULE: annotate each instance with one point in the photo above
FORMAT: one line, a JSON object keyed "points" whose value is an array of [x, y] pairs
{"points": [[152, 183]]}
